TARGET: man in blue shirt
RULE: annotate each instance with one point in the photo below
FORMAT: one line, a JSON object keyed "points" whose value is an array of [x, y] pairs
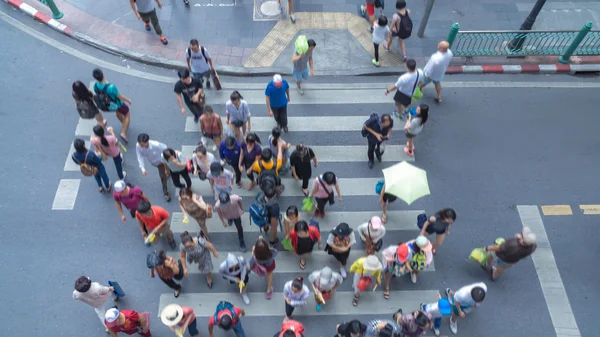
{"points": [[277, 97], [122, 110]]}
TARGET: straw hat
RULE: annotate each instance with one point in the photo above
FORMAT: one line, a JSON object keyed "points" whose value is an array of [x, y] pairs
{"points": [[372, 263], [171, 315]]}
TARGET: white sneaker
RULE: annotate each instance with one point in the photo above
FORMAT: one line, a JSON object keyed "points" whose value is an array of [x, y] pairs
{"points": [[214, 148], [300, 91], [436, 332], [246, 299], [453, 327], [343, 272], [124, 175], [413, 278]]}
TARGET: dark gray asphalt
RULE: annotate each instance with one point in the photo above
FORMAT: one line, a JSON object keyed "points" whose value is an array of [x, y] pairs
{"points": [[485, 151]]}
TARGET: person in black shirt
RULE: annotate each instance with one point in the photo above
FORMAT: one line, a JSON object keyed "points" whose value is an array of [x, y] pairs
{"points": [[440, 225], [193, 94], [300, 164], [379, 129], [354, 328]]}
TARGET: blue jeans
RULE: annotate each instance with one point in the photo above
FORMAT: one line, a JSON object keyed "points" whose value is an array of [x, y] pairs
{"points": [[119, 165], [101, 176], [239, 331], [437, 317], [301, 75]]}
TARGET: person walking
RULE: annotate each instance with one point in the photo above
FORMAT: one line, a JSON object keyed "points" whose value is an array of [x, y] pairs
{"points": [[201, 160], [268, 170], [128, 195], [199, 62], [401, 27], [290, 219], [512, 250], [437, 310], [238, 115], [322, 191], [211, 126], [127, 321], [177, 165], [251, 151], [419, 255], [236, 270], [339, 244], [167, 268], [295, 294], [220, 179], [117, 100], [380, 33], [303, 238], [414, 324], [440, 225], [84, 101], [394, 264], [367, 273], [93, 294], [193, 94], [107, 147], [154, 219], [379, 129], [324, 282], [144, 10], [302, 63], [353, 328], [230, 210], [435, 69], [90, 164], [274, 141], [300, 164], [464, 301], [152, 150], [291, 328], [277, 96], [383, 328], [229, 152], [414, 126], [405, 88], [262, 262], [197, 250], [372, 233], [369, 9], [384, 200], [178, 318], [193, 205], [290, 4], [227, 317]]}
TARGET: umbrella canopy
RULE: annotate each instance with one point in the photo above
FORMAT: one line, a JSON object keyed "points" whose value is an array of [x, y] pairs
{"points": [[405, 181]]}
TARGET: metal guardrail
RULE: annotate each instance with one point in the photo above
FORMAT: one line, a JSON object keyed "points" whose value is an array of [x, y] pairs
{"points": [[525, 43]]}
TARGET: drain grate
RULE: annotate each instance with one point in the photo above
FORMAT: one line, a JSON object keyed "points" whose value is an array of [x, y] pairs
{"points": [[268, 10]]}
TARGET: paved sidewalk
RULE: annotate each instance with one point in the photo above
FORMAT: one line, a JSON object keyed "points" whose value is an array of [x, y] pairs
{"points": [[242, 37]]}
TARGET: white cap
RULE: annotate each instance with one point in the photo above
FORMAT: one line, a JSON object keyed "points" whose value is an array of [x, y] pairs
{"points": [[120, 186], [277, 78], [111, 315], [528, 236]]}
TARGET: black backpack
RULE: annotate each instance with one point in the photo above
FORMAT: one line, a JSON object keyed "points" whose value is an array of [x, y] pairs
{"points": [[364, 131], [202, 49], [267, 176], [405, 26], [102, 98], [86, 109]]}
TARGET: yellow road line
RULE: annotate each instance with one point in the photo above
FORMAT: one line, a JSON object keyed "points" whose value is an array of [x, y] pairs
{"points": [[557, 210], [590, 209]]}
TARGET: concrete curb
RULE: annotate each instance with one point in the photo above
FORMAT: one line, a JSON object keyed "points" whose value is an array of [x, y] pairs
{"points": [[266, 71]]}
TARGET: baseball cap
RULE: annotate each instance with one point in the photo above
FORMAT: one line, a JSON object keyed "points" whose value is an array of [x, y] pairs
{"points": [[111, 317], [215, 168], [224, 198], [528, 237], [423, 243], [402, 253], [376, 222], [277, 78], [120, 186]]}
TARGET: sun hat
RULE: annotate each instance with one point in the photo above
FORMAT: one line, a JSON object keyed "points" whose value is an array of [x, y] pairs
{"points": [[375, 222], [402, 253], [372, 263], [171, 314], [528, 236], [343, 229], [423, 243], [325, 275], [111, 317], [120, 186]]}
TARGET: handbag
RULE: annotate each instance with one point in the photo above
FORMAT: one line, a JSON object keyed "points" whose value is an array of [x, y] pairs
{"points": [[258, 269], [417, 93], [308, 204], [364, 283], [377, 246], [404, 99], [329, 194]]}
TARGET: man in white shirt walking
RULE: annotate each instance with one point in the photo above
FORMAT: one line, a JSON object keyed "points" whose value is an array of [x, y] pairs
{"points": [[152, 151], [436, 68], [405, 88], [94, 294]]}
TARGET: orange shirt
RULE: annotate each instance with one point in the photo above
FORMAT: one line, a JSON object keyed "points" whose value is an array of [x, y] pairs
{"points": [[158, 215]]}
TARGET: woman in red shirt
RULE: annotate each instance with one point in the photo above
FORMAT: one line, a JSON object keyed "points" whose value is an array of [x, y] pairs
{"points": [[303, 238], [127, 321], [211, 126]]}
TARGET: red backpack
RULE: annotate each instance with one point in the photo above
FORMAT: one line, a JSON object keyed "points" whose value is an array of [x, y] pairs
{"points": [[295, 326]]}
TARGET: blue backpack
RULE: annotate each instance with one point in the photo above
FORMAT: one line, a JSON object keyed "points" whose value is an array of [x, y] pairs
{"points": [[258, 211], [224, 305], [379, 186], [421, 218]]}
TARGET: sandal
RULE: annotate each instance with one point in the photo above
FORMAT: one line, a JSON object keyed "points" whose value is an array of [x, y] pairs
{"points": [[355, 300], [386, 294], [109, 188], [101, 189], [239, 185], [176, 293], [384, 218], [302, 265], [433, 251], [208, 284], [124, 138]]}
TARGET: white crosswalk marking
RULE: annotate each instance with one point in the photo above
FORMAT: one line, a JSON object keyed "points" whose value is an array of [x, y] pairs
{"points": [[70, 164], [299, 124]]}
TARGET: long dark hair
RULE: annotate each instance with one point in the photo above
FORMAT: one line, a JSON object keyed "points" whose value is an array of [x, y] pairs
{"points": [[252, 137], [235, 95], [275, 133], [99, 131], [81, 92], [261, 250], [423, 113], [446, 213]]}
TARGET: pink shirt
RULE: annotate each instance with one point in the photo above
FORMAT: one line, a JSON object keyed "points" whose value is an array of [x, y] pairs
{"points": [[111, 150], [321, 192], [232, 210]]}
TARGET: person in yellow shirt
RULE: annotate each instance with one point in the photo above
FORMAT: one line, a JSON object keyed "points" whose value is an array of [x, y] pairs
{"points": [[366, 270], [268, 170]]}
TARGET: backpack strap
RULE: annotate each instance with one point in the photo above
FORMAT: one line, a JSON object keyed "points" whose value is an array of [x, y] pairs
{"points": [[189, 52], [202, 49]]}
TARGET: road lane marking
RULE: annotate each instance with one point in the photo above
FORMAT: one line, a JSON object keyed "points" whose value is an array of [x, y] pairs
{"points": [[557, 210], [590, 209], [66, 194]]}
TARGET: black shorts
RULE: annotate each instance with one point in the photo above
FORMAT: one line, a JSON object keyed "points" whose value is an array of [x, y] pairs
{"points": [[401, 98], [389, 198], [409, 135], [341, 257], [237, 124], [245, 278]]}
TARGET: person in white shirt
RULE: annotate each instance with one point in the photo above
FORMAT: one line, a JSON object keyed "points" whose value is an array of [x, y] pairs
{"points": [[371, 233], [414, 126], [464, 301], [152, 151], [199, 62], [201, 159], [436, 68], [238, 115], [405, 88], [93, 294], [380, 33], [325, 281]]}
